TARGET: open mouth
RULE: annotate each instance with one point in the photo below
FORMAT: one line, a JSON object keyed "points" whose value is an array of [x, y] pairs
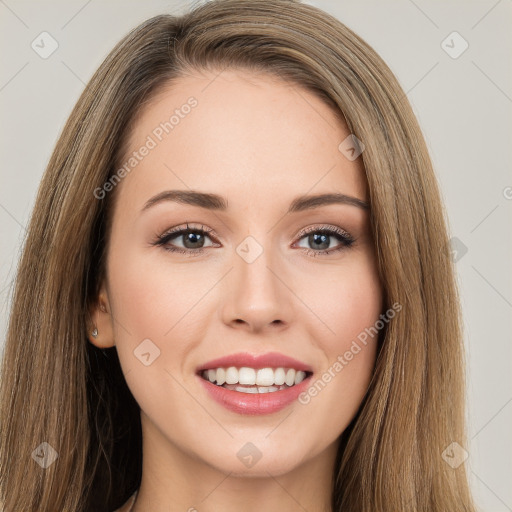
{"points": [[254, 380]]}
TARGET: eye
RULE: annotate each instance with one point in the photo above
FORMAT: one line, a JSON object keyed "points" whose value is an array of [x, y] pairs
{"points": [[192, 238], [319, 238]]}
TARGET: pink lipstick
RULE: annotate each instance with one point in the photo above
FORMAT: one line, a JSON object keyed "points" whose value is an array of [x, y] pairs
{"points": [[255, 384]]}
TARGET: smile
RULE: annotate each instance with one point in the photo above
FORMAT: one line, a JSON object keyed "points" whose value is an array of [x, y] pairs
{"points": [[254, 380], [254, 384]]}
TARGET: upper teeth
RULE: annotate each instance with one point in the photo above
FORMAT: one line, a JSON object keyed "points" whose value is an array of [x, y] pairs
{"points": [[251, 376]]}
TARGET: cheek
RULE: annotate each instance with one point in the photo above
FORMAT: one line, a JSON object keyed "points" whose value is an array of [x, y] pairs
{"points": [[147, 304], [157, 320], [349, 304], [346, 299], [354, 305], [153, 296]]}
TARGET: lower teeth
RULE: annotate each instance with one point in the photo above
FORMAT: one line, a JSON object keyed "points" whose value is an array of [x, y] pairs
{"points": [[254, 389]]}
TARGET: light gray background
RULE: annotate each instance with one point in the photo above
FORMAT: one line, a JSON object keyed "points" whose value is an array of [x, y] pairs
{"points": [[464, 106]]}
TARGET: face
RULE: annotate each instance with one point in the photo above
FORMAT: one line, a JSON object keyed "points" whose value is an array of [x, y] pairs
{"points": [[252, 276]]}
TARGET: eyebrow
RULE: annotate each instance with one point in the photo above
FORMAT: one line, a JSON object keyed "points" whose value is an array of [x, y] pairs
{"points": [[219, 203]]}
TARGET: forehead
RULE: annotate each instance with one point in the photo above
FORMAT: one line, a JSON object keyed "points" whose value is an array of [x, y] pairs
{"points": [[246, 135]]}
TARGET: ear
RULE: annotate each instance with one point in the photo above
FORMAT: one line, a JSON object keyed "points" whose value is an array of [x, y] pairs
{"points": [[100, 317]]}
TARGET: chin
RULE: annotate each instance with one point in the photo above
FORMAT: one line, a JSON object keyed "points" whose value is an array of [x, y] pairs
{"points": [[256, 458]]}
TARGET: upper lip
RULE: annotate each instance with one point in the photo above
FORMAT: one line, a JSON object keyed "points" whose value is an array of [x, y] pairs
{"points": [[267, 360]]}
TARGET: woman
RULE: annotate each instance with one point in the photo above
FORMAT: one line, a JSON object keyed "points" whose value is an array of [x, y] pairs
{"points": [[179, 340]]}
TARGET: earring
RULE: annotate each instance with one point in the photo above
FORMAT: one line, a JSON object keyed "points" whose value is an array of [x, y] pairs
{"points": [[95, 332]]}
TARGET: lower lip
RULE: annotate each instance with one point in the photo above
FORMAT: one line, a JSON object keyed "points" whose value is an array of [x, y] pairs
{"points": [[254, 403]]}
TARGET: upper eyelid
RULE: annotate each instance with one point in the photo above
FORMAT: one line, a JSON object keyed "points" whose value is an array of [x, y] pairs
{"points": [[327, 227]]}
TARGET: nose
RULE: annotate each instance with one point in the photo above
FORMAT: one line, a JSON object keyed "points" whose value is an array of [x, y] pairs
{"points": [[256, 296]]}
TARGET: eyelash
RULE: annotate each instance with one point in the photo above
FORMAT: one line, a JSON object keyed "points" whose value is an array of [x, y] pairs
{"points": [[163, 240]]}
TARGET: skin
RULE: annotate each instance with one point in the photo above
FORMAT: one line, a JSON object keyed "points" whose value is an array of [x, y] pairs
{"points": [[259, 142]]}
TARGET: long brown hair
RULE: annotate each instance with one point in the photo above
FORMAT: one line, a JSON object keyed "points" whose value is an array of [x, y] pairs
{"points": [[56, 387]]}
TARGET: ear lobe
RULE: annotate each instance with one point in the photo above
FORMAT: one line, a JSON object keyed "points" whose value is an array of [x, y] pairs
{"points": [[100, 330]]}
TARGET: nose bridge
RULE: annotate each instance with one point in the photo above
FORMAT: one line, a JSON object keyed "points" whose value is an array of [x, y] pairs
{"points": [[257, 295]]}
